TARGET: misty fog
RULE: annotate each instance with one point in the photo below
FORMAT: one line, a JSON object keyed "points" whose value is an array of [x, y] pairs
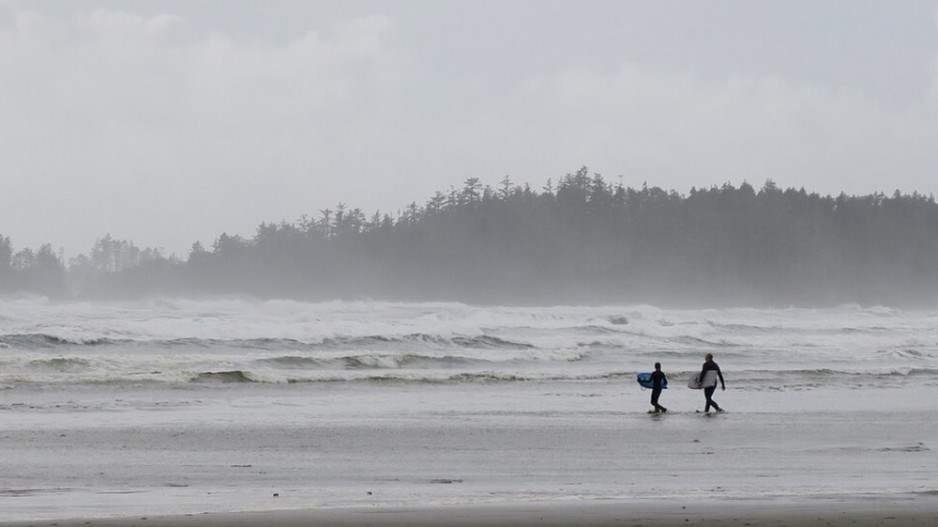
{"points": [[577, 240]]}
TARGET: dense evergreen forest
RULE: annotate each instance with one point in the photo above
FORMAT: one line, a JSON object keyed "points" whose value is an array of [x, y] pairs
{"points": [[578, 240]]}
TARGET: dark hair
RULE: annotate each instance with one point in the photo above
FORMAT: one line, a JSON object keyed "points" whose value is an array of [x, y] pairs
{"points": [[657, 365]]}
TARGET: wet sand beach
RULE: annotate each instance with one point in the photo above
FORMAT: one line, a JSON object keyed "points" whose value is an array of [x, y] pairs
{"points": [[520, 468], [785, 513]]}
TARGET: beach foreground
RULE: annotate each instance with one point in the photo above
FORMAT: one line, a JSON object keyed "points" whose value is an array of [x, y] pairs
{"points": [[370, 414], [832, 513]]}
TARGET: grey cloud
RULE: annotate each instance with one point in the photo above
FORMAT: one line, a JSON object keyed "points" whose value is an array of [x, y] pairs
{"points": [[168, 127]]}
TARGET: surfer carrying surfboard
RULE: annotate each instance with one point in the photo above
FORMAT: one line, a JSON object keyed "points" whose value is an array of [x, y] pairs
{"points": [[708, 380], [658, 381]]}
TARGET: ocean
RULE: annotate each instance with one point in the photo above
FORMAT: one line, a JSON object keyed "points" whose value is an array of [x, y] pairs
{"points": [[190, 406]]}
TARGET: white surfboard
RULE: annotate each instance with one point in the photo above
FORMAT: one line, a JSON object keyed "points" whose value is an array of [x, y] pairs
{"points": [[709, 380]]}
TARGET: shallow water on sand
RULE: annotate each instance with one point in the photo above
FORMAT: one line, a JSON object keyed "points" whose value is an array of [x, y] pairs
{"points": [[279, 447]]}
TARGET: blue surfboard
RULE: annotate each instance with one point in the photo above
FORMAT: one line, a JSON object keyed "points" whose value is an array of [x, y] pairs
{"points": [[644, 378]]}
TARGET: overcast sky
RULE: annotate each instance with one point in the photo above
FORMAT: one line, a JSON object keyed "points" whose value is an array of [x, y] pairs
{"points": [[170, 122]]}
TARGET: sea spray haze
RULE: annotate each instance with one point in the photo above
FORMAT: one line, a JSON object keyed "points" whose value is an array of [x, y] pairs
{"points": [[176, 342]]}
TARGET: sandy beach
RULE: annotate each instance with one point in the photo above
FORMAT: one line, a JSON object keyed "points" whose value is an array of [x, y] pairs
{"points": [[786, 513]]}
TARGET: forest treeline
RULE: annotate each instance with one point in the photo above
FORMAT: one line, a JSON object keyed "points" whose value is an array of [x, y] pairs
{"points": [[581, 239]]}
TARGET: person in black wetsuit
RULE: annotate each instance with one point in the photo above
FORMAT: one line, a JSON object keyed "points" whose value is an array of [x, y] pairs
{"points": [[708, 390], [657, 382]]}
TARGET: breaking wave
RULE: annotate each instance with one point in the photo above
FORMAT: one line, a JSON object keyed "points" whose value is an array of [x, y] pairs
{"points": [[243, 342], [61, 364], [224, 377], [42, 341]]}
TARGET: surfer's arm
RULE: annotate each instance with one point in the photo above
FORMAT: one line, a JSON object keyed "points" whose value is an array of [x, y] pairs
{"points": [[720, 374]]}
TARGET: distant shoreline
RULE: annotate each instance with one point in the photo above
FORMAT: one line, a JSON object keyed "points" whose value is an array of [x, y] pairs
{"points": [[584, 241]]}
